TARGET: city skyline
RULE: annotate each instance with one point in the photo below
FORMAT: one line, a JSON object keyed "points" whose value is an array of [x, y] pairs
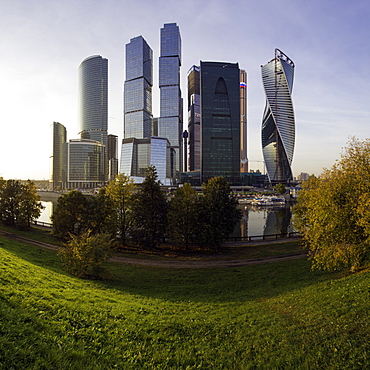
{"points": [[44, 42]]}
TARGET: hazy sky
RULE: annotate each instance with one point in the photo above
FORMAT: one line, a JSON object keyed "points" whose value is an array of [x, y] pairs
{"points": [[42, 44]]}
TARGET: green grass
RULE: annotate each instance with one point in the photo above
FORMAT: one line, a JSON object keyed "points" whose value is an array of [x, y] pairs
{"points": [[273, 316], [39, 234]]}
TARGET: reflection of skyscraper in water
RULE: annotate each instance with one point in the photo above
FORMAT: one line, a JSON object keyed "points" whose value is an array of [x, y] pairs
{"points": [[244, 223], [278, 221]]}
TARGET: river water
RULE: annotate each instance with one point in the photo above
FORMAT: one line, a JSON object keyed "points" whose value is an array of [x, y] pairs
{"points": [[255, 221]]}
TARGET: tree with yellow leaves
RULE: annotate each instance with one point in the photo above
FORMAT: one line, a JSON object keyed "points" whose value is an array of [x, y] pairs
{"points": [[333, 211]]}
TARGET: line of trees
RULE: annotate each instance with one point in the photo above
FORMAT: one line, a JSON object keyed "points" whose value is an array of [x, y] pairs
{"points": [[143, 215], [19, 203]]}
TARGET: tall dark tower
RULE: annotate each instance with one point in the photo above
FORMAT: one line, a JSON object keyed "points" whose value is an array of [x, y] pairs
{"points": [[194, 118], [278, 124], [220, 121]]}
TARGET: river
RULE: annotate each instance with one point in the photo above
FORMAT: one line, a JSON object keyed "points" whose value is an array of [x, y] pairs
{"points": [[255, 221]]}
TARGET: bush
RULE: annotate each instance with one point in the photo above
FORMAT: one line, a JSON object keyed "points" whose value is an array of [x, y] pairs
{"points": [[84, 255]]}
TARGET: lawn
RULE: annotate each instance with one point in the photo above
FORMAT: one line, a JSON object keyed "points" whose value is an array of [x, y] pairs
{"points": [[279, 315]]}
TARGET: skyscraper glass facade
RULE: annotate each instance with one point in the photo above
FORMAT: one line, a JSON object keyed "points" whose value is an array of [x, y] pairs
{"points": [[58, 175], [93, 104], [112, 157], [170, 122], [194, 118], [85, 163], [138, 89], [220, 121], [138, 154], [243, 122], [278, 124]]}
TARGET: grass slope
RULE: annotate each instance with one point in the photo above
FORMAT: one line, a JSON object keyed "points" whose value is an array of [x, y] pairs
{"points": [[278, 315]]}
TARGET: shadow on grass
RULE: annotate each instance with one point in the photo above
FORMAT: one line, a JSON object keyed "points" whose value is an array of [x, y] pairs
{"points": [[213, 285]]}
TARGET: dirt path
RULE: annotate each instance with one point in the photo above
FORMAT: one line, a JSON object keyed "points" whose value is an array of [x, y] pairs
{"points": [[174, 262]]}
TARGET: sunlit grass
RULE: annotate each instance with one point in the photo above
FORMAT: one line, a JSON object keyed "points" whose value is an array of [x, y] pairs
{"points": [[278, 315]]}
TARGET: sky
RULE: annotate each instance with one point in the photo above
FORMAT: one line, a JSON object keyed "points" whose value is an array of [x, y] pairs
{"points": [[43, 42]]}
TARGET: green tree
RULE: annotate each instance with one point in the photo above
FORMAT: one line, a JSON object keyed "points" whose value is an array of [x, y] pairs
{"points": [[19, 203], [332, 213], [149, 211], [84, 254], [280, 188], [182, 215], [70, 215], [121, 193], [100, 217], [218, 213], [29, 205]]}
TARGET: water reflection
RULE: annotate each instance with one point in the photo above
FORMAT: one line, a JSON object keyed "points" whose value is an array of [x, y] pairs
{"points": [[47, 211], [256, 221], [264, 221]]}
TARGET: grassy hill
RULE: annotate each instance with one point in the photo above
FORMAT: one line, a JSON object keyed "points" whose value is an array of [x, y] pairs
{"points": [[278, 315]]}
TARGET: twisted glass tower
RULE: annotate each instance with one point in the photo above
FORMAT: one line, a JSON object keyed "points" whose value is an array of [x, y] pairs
{"points": [[278, 124]]}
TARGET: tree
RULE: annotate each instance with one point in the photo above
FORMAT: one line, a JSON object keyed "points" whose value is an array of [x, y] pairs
{"points": [[332, 213], [217, 213], [182, 215], [149, 211], [29, 205], [19, 203], [101, 214], [121, 193], [280, 188], [70, 215], [83, 255]]}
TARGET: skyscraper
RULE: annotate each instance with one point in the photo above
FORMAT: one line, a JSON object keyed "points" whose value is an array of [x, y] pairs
{"points": [[278, 125], [112, 157], [243, 122], [138, 89], [194, 118], [84, 163], [93, 104], [139, 148], [220, 121], [59, 139], [170, 120]]}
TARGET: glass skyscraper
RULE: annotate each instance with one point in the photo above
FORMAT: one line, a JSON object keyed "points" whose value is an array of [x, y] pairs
{"points": [[170, 120], [194, 118], [243, 122], [220, 121], [278, 124], [58, 175], [140, 148], [138, 154], [93, 104], [85, 163], [138, 89]]}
